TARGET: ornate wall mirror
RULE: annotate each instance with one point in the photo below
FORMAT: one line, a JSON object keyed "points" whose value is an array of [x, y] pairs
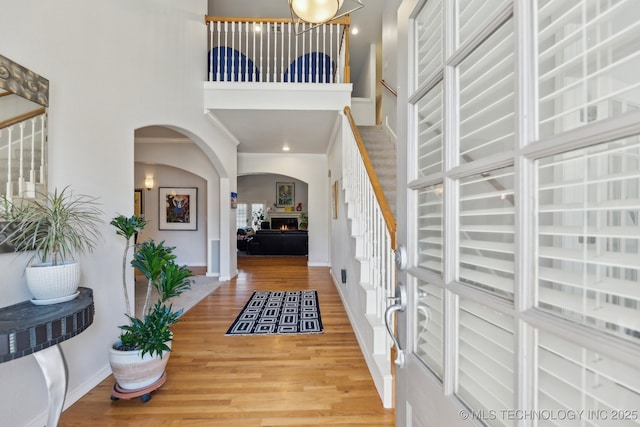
{"points": [[24, 100]]}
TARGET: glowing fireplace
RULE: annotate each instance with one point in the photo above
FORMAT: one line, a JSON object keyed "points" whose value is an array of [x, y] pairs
{"points": [[284, 223]]}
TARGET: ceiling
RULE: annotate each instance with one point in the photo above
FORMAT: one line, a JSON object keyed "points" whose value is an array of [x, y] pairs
{"points": [[266, 131]]}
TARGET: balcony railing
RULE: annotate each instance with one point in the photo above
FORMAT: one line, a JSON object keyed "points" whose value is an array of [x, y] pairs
{"points": [[277, 50]]}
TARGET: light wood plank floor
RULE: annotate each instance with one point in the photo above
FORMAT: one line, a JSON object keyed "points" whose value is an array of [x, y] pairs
{"points": [[214, 380]]}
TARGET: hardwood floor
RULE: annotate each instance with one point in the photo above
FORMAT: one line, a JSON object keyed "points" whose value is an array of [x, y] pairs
{"points": [[214, 380]]}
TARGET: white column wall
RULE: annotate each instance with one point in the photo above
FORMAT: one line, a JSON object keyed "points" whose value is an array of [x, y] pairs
{"points": [[113, 67]]}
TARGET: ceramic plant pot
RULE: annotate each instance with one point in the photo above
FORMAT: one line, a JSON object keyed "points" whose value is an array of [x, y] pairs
{"points": [[53, 283], [133, 372]]}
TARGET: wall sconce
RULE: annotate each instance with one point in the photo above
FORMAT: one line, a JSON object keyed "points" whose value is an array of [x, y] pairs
{"points": [[148, 182]]}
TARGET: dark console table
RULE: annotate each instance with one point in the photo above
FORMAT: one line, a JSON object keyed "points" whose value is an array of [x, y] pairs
{"points": [[26, 328]]}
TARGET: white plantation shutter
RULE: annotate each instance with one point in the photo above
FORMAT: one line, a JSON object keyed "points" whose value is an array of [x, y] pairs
{"points": [[472, 15], [589, 236], [486, 359], [430, 241], [543, 222], [429, 43], [487, 231], [429, 326], [487, 102], [572, 378], [588, 60], [429, 131]]}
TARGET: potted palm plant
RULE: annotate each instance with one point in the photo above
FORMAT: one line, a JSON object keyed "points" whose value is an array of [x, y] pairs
{"points": [[139, 357], [55, 227]]}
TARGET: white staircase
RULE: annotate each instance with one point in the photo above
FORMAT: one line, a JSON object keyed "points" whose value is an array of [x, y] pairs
{"points": [[381, 149], [373, 251]]}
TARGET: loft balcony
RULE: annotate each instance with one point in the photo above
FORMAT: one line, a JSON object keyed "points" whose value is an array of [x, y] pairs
{"points": [[267, 64]]}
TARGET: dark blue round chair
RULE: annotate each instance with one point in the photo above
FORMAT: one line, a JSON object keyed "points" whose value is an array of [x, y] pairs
{"points": [[315, 67], [232, 65]]}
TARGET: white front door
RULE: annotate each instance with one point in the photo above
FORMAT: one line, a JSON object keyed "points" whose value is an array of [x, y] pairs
{"points": [[519, 131]]}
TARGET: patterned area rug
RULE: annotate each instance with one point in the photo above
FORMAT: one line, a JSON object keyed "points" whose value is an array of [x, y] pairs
{"points": [[279, 312]]}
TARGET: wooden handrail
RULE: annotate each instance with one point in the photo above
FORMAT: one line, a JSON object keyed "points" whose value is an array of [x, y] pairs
{"points": [[22, 117], [375, 183], [389, 88], [344, 20]]}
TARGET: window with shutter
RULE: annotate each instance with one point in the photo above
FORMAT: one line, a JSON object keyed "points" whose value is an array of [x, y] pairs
{"points": [[473, 15], [487, 231], [429, 326], [486, 362], [588, 60], [242, 220], [589, 236], [430, 242], [524, 219], [429, 132], [429, 42], [486, 97], [573, 378]]}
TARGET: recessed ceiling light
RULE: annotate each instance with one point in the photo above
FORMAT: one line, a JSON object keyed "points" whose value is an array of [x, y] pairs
{"points": [[355, 31], [285, 148]]}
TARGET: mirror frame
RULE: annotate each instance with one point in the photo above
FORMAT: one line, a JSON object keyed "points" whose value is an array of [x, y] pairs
{"points": [[19, 80]]}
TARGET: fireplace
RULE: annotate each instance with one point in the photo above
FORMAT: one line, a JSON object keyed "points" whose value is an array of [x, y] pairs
{"points": [[284, 223]]}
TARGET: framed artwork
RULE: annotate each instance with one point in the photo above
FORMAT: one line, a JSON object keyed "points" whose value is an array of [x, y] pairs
{"points": [[234, 200], [138, 202], [285, 192], [334, 200], [178, 208]]}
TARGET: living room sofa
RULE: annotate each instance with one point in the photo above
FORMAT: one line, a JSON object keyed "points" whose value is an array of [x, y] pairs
{"points": [[279, 242]]}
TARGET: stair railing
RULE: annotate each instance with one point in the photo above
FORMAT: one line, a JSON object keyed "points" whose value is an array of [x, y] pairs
{"points": [[22, 140], [269, 50], [371, 214]]}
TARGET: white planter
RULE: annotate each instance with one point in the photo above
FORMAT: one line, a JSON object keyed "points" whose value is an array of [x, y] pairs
{"points": [[133, 372], [53, 282]]}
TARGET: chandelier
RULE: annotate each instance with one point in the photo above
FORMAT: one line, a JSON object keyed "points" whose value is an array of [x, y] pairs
{"points": [[318, 12]]}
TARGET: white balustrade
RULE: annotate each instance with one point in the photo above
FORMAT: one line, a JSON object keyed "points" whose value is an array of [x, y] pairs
{"points": [[246, 50], [22, 157], [375, 248]]}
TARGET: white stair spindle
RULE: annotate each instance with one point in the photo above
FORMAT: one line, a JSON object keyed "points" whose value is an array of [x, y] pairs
{"points": [[211, 25], [43, 133], [21, 161]]}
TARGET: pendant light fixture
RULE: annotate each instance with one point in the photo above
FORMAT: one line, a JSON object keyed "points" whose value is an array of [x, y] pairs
{"points": [[318, 12]]}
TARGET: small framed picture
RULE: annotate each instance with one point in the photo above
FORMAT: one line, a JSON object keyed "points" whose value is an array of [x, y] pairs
{"points": [[285, 193], [138, 202], [178, 208]]}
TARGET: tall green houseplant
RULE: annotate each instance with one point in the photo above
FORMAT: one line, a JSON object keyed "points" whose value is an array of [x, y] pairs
{"points": [[127, 227], [150, 332]]}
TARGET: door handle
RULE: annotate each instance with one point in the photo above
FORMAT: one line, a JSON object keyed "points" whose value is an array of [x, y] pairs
{"points": [[400, 305]]}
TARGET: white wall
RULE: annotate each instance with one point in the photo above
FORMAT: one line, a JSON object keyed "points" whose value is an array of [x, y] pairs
{"points": [[390, 64], [262, 188], [363, 106], [312, 169], [190, 246], [188, 157], [113, 66]]}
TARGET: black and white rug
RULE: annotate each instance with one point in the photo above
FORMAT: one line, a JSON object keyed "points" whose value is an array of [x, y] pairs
{"points": [[279, 312]]}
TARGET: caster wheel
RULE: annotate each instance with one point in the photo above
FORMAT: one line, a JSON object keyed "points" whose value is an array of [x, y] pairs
{"points": [[145, 397], [114, 398]]}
